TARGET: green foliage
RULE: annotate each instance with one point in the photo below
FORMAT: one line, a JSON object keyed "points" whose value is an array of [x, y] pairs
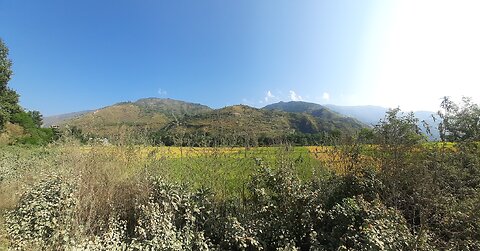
{"points": [[8, 97], [166, 221], [37, 118], [8, 105], [35, 222], [355, 224], [23, 119], [197, 139], [5, 66], [366, 136], [10, 110], [280, 212], [398, 129], [435, 187], [459, 123], [77, 133], [38, 136], [31, 122]]}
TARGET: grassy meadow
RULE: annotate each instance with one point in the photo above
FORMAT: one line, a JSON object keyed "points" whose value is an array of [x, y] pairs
{"points": [[224, 169]]}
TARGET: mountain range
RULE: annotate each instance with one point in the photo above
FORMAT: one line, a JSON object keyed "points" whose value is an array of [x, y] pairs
{"points": [[173, 116]]}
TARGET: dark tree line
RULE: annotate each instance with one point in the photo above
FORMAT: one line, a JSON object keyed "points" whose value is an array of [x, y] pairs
{"points": [[207, 139]]}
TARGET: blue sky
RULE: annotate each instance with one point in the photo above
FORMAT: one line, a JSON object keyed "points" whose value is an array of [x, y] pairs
{"points": [[77, 55]]}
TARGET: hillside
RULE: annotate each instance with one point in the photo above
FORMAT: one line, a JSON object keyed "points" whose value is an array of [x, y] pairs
{"points": [[231, 119], [240, 120], [325, 118], [144, 114], [170, 107], [367, 114], [174, 117], [59, 119], [295, 106], [10, 133]]}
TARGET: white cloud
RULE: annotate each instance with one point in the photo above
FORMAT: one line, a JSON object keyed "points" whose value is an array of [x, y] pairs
{"points": [[269, 96], [162, 92], [295, 97], [326, 96]]}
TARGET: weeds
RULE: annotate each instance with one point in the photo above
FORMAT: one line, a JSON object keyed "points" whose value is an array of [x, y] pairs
{"points": [[135, 198]]}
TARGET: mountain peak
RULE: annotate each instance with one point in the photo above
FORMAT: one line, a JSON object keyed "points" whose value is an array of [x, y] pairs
{"points": [[294, 106]]}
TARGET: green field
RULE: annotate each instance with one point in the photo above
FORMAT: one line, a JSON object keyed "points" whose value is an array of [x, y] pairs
{"points": [[223, 169]]}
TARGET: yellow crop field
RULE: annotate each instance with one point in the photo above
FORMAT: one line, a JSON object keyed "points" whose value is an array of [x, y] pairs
{"points": [[333, 158], [341, 161]]}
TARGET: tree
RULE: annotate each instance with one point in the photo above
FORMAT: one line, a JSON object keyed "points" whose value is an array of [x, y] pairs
{"points": [[36, 117], [5, 66], [459, 123], [365, 136], [397, 129], [8, 98]]}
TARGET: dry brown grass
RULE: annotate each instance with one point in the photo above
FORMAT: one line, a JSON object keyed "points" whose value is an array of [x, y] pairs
{"points": [[11, 132], [107, 186]]}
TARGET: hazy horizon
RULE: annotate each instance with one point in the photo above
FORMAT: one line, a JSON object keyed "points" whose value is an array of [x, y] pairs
{"points": [[75, 56]]}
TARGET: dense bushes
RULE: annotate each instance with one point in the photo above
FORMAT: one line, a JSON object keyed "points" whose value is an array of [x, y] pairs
{"points": [[31, 122], [427, 200], [281, 212], [42, 216]]}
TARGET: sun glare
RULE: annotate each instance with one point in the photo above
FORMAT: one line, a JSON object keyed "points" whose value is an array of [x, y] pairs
{"points": [[425, 50]]}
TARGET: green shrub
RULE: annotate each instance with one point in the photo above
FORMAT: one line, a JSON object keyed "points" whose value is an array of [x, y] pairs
{"points": [[35, 134], [356, 224], [42, 216]]}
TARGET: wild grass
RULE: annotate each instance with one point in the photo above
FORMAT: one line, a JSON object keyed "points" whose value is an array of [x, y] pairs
{"points": [[103, 197], [109, 178]]}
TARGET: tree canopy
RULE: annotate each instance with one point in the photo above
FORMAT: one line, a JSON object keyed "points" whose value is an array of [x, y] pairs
{"points": [[459, 122], [8, 97]]}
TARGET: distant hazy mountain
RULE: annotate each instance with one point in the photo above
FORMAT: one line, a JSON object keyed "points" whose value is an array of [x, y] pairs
{"points": [[368, 114], [371, 115], [58, 119]]}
